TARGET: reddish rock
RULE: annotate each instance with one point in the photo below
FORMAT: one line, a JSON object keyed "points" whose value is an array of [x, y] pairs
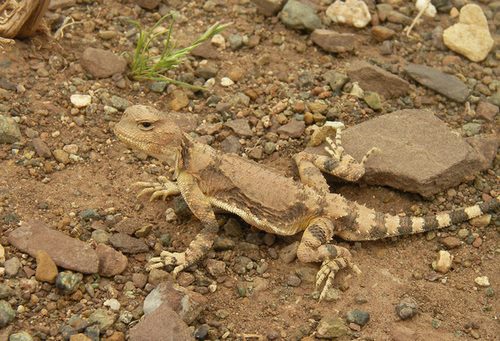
{"points": [[269, 7], [487, 110], [418, 152], [335, 42], [293, 128], [68, 253], [111, 262], [451, 242], [381, 33], [373, 78], [486, 147], [102, 63], [240, 126], [128, 244], [148, 4]]}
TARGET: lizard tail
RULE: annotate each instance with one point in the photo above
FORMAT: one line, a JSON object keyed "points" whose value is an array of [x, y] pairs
{"points": [[368, 224]]}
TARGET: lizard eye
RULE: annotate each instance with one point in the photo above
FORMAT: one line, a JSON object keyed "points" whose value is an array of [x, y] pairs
{"points": [[145, 125]]}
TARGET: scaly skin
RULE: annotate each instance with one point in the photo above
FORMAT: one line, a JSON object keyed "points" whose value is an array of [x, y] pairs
{"points": [[21, 18], [208, 179]]}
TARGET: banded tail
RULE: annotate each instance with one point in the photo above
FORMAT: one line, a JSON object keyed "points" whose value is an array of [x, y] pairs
{"points": [[368, 224]]}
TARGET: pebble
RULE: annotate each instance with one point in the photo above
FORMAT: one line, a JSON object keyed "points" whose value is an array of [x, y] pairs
{"points": [[225, 81], [463, 233], [21, 336], [471, 128], [178, 100], [470, 37], [61, 156], [113, 304], [219, 41], [111, 262], [127, 244], [481, 221], [235, 41], [102, 63], [443, 262], [7, 314], [119, 103], [80, 101], [216, 268], [103, 318], [482, 281], [288, 253], [331, 327], [373, 100], [68, 281], [451, 242], [41, 148], [269, 7], [358, 317], [12, 266], [2, 254], [9, 130], [351, 12], [407, 308], [487, 110], [201, 332], [332, 41], [300, 16], [292, 129], [293, 280], [46, 269], [381, 33]]}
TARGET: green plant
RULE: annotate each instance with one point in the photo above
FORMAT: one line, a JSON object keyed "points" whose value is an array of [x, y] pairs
{"points": [[145, 66]]}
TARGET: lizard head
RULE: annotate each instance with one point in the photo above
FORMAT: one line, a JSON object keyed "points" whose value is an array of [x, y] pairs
{"points": [[148, 130]]}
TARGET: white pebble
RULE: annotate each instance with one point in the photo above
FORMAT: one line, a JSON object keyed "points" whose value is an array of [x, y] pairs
{"points": [[482, 281], [225, 81], [71, 148], [2, 254], [443, 262], [80, 101], [430, 11], [113, 304], [219, 41]]}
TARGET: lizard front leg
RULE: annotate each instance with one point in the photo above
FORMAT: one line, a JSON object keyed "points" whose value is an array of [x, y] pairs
{"points": [[200, 205], [315, 247], [162, 189], [338, 163]]}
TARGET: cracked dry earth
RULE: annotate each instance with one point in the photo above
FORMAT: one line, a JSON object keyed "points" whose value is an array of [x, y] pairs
{"points": [[67, 170]]}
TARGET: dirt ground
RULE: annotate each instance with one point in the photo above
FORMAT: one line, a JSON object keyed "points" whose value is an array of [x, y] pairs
{"points": [[451, 306]]}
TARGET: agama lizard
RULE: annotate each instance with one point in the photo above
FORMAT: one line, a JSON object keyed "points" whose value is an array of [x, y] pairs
{"points": [[208, 179]]}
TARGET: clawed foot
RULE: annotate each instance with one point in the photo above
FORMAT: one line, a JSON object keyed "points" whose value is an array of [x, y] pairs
{"points": [[166, 258], [158, 190], [334, 148], [327, 272]]}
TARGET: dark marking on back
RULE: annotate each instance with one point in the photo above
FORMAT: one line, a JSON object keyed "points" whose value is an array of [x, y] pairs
{"points": [[318, 233], [404, 225]]}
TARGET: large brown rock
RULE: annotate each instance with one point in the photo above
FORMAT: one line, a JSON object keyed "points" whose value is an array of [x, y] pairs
{"points": [[418, 152], [102, 63], [269, 7], [373, 78], [68, 253], [111, 262]]}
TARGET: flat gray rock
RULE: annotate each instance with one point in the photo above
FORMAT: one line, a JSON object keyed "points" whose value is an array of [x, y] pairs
{"points": [[373, 78], [419, 153], [127, 244], [332, 41], [443, 83], [68, 253]]}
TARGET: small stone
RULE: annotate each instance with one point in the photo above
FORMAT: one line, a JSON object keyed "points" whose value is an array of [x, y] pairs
{"points": [[331, 328], [219, 41], [111, 262], [128, 244], [80, 101], [269, 7], [451, 242], [481, 221], [235, 41], [201, 332], [46, 269], [113, 304], [9, 130], [407, 308], [293, 281], [12, 266], [68, 281], [179, 100], [100, 236], [148, 4], [443, 262], [158, 87], [463, 233], [240, 126], [482, 281], [358, 317], [216, 268], [119, 103], [233, 228], [2, 255], [472, 128], [470, 37], [292, 129], [103, 318], [225, 81], [7, 314], [332, 41], [335, 80], [102, 63], [373, 100], [61, 156], [79, 337], [381, 33], [487, 111], [71, 148], [21, 336], [351, 12], [299, 16], [156, 276]]}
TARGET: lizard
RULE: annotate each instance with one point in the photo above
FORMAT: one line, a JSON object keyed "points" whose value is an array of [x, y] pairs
{"points": [[208, 179]]}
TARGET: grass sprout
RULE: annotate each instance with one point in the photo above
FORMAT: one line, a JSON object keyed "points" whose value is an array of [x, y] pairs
{"points": [[147, 66]]}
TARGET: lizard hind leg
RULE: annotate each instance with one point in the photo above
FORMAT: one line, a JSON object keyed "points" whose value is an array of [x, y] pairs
{"points": [[315, 247]]}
